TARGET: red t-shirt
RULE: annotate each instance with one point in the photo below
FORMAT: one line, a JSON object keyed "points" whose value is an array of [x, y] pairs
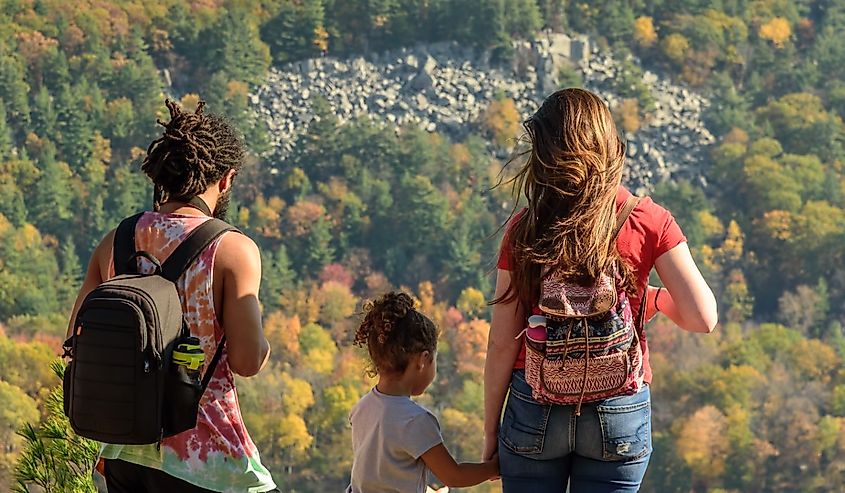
{"points": [[649, 232]]}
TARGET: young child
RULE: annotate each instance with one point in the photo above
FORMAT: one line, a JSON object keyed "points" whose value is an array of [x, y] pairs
{"points": [[395, 440]]}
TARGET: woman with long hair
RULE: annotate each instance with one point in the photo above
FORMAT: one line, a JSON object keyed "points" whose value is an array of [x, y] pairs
{"points": [[580, 224]]}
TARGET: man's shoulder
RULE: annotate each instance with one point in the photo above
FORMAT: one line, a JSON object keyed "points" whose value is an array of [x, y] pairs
{"points": [[237, 249]]}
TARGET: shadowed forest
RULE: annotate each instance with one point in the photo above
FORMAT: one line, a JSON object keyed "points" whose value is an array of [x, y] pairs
{"points": [[358, 208]]}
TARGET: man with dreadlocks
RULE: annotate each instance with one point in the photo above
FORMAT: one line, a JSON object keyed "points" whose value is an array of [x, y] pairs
{"points": [[192, 167]]}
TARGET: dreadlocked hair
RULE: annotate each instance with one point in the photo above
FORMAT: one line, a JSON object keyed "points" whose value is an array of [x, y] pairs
{"points": [[393, 331], [195, 151]]}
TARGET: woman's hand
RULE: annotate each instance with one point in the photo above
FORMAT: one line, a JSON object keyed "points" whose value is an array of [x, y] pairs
{"points": [[650, 301], [687, 299], [491, 450], [491, 446]]}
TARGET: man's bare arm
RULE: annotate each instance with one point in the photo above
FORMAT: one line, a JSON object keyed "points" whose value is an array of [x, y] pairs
{"points": [[94, 276], [240, 264]]}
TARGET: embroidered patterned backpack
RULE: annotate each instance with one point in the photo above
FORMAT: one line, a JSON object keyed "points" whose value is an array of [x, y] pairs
{"points": [[584, 347]]}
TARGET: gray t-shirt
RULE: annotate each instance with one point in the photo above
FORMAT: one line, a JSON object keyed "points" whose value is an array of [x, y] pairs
{"points": [[389, 434]]}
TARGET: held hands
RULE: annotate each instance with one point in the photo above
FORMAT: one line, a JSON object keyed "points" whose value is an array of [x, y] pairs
{"points": [[493, 465], [490, 455]]}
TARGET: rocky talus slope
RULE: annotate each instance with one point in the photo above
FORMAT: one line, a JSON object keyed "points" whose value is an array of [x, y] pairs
{"points": [[446, 88]]}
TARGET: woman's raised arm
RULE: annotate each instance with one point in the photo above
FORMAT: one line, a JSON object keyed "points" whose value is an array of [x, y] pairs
{"points": [[690, 302]]}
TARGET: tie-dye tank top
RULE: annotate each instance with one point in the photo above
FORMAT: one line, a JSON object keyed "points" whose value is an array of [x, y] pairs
{"points": [[218, 454]]}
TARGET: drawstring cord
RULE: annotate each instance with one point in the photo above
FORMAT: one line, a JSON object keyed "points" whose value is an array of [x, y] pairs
{"points": [[586, 368]]}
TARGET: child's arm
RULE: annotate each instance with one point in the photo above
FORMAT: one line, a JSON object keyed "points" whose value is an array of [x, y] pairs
{"points": [[441, 463]]}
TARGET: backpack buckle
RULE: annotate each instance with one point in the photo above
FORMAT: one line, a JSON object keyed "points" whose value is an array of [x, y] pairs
{"points": [[67, 348]]}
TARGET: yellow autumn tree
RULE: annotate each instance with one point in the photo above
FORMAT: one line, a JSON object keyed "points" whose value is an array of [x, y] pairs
{"points": [[629, 115], [319, 349], [265, 216], [737, 297], [189, 101], [293, 434], [731, 250], [675, 47], [297, 395], [16, 409], [425, 295], [703, 443], [321, 38], [502, 120], [777, 30], [710, 224], [337, 302], [283, 335], [471, 302], [644, 33], [469, 343]]}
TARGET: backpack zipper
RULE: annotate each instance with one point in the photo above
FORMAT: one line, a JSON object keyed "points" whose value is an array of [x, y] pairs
{"points": [[157, 343], [144, 336]]}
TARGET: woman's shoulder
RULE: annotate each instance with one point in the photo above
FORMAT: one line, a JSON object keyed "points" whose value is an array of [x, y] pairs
{"points": [[648, 214], [651, 229]]}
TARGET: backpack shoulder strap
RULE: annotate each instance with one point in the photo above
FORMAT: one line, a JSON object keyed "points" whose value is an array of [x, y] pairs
{"points": [[191, 248], [626, 210], [124, 245], [209, 371]]}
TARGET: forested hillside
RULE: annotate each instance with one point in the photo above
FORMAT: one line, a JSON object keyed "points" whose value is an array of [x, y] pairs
{"points": [[360, 207]]}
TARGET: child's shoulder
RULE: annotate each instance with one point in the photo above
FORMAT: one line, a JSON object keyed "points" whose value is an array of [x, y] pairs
{"points": [[411, 415], [397, 409]]}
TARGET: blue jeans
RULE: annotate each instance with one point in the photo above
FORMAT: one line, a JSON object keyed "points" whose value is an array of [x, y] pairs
{"points": [[542, 448]]}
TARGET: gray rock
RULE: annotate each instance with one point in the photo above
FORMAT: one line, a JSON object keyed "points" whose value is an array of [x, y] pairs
{"points": [[429, 65], [422, 82]]}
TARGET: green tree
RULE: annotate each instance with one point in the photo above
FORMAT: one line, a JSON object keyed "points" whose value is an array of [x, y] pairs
{"points": [[489, 25], [235, 47], [76, 133], [54, 458], [5, 134], [13, 91], [53, 197], [70, 274], [802, 124], [296, 31], [44, 117], [523, 18], [318, 246], [277, 276], [554, 13], [231, 98]]}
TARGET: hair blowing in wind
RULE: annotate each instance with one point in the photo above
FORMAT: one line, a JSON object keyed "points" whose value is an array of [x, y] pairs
{"points": [[570, 179]]}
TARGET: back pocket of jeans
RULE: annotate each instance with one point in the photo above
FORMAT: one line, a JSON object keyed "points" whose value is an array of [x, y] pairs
{"points": [[524, 424], [626, 430]]}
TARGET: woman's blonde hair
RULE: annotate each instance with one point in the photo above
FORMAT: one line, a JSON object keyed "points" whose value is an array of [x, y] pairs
{"points": [[570, 180]]}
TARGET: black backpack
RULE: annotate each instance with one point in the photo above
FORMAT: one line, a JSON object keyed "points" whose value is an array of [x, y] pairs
{"points": [[121, 385]]}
